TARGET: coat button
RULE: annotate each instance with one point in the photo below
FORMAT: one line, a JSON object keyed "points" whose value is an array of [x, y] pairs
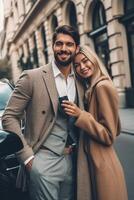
{"points": [[63, 140], [43, 112]]}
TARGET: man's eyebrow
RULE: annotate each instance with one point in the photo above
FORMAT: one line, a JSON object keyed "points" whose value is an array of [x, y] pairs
{"points": [[58, 41], [65, 42]]}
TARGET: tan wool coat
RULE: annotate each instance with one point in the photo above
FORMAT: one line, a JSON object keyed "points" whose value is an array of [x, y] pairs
{"points": [[100, 174]]}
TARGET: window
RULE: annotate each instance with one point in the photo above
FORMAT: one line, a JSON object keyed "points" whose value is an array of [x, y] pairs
{"points": [[28, 59], [99, 33], [45, 50], [35, 53], [72, 15], [99, 18], [54, 23]]}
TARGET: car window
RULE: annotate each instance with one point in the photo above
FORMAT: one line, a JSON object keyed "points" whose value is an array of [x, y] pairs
{"points": [[5, 93]]}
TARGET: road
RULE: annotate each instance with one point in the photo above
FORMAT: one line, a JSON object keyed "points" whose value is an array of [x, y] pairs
{"points": [[124, 146]]}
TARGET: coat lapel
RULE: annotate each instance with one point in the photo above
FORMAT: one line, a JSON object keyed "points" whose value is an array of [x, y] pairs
{"points": [[49, 80], [80, 93]]}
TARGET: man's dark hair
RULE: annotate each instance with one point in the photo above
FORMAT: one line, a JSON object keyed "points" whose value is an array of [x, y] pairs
{"points": [[68, 30]]}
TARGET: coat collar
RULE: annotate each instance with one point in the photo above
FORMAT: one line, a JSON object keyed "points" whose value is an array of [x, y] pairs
{"points": [[89, 91]]}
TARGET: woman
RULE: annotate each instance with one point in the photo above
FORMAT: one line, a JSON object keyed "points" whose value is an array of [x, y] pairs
{"points": [[100, 174]]}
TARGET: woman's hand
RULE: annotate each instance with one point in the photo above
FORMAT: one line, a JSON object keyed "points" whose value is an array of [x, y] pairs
{"points": [[71, 108]]}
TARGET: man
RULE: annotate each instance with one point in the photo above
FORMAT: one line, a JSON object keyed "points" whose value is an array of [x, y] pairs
{"points": [[48, 136]]}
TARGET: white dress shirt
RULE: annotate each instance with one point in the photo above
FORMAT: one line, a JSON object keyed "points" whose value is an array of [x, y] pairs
{"points": [[65, 86]]}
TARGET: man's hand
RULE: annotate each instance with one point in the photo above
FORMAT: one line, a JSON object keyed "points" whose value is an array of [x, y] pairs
{"points": [[71, 108], [29, 165]]}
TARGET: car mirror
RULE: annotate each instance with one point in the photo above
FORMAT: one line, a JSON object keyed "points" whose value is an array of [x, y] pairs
{"points": [[10, 143]]}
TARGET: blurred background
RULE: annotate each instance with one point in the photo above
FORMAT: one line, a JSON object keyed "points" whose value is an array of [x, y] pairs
{"points": [[107, 26]]}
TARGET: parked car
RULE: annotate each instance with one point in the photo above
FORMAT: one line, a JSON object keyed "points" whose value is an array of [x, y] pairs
{"points": [[9, 144], [6, 90]]}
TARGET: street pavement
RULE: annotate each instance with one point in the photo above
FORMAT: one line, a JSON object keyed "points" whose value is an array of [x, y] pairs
{"points": [[127, 120], [124, 146]]}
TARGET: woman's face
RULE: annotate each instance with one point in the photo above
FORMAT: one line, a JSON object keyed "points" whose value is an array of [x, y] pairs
{"points": [[83, 66]]}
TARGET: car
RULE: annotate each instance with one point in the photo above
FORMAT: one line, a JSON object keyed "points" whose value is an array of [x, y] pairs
{"points": [[9, 164], [6, 90]]}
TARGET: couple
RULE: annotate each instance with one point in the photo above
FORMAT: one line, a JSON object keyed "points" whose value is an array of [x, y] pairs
{"points": [[54, 147]]}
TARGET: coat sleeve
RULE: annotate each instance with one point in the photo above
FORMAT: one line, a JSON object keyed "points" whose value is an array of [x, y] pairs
{"points": [[106, 127], [14, 112]]}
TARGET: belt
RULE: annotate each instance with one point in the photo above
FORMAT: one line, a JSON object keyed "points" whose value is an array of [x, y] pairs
{"points": [[67, 150]]}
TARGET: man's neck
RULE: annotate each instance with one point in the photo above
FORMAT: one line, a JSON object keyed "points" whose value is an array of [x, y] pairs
{"points": [[65, 70]]}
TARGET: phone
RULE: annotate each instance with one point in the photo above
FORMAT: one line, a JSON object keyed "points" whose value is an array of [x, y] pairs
{"points": [[60, 107], [63, 98]]}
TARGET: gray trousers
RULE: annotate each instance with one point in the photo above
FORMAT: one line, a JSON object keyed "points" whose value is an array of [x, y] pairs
{"points": [[51, 177]]}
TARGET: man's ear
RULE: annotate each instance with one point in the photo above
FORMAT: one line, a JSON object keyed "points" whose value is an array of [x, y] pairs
{"points": [[77, 49], [52, 47]]}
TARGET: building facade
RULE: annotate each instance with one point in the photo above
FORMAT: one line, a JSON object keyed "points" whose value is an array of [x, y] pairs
{"points": [[106, 25]]}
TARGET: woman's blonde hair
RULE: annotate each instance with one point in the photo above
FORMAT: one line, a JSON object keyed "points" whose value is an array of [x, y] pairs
{"points": [[94, 59]]}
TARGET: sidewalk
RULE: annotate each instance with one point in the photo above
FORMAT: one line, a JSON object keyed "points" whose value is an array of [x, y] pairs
{"points": [[127, 120]]}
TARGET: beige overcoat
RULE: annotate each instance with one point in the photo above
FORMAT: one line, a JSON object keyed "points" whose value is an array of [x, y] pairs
{"points": [[100, 172], [36, 93]]}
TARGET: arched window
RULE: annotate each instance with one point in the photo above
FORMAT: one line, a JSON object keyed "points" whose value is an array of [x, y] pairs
{"points": [[29, 63], [54, 23], [35, 53], [99, 33], [99, 18], [45, 50], [72, 16]]}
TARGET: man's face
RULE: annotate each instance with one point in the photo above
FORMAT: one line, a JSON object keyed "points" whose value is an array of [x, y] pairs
{"points": [[64, 49]]}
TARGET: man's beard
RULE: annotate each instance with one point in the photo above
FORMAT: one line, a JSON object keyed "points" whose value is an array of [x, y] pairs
{"points": [[64, 63]]}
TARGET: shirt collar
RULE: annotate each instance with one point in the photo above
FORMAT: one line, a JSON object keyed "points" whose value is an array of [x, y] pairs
{"points": [[57, 72]]}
